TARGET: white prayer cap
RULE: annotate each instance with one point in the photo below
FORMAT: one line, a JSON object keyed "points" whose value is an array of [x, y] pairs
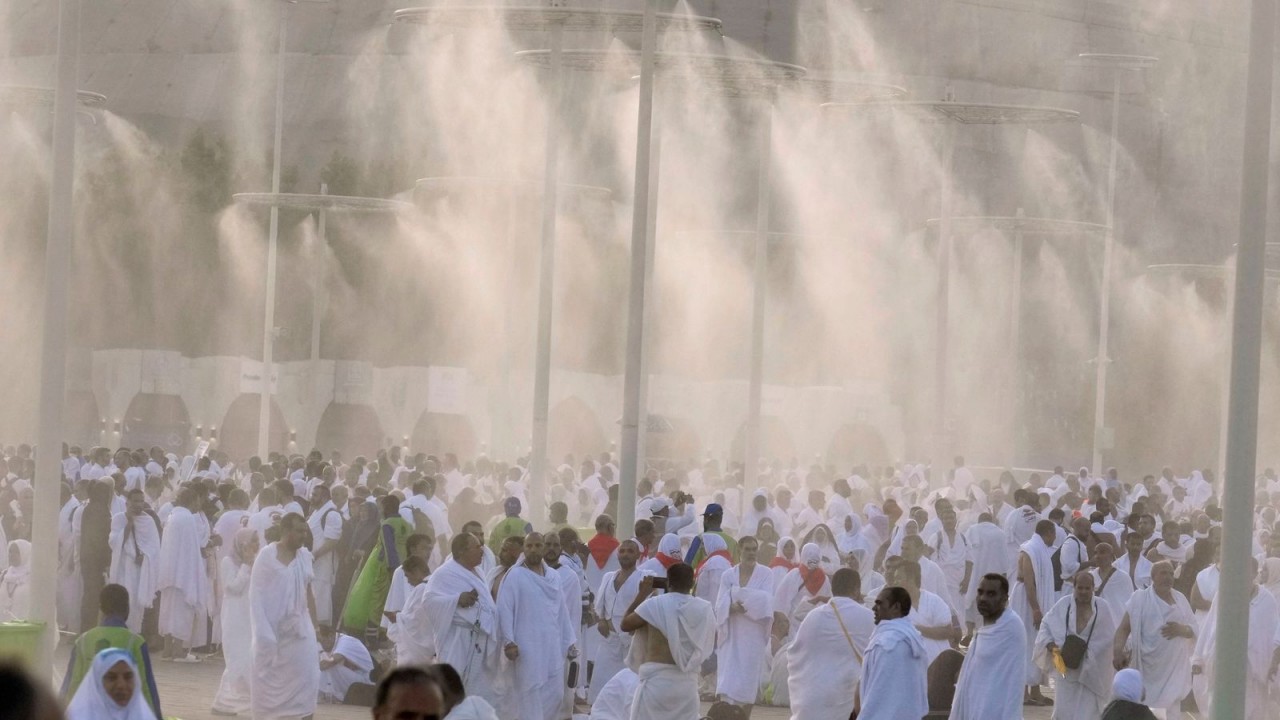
{"points": [[1128, 685]]}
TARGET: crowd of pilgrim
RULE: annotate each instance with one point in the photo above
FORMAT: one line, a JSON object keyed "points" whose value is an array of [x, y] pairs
{"points": [[898, 592]]}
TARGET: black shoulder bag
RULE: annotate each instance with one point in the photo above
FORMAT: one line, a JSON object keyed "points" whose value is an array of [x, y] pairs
{"points": [[1074, 646]]}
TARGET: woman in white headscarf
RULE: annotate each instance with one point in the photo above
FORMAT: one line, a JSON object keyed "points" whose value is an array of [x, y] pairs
{"points": [[786, 560], [852, 541], [1127, 698], [110, 690], [237, 640], [669, 553], [15, 583], [801, 589], [825, 540]]}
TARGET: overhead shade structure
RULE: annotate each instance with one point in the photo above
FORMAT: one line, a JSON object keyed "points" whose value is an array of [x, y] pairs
{"points": [[439, 433], [155, 420], [238, 433], [350, 429]]}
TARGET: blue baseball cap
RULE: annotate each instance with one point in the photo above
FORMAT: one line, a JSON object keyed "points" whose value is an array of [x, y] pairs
{"points": [[713, 509]]}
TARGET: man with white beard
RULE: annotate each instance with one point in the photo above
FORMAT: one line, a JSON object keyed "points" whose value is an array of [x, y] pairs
{"points": [[744, 614], [182, 582], [1157, 637], [465, 617], [672, 634], [286, 674], [1264, 623], [135, 556], [1084, 691], [825, 660], [894, 684], [1034, 595], [617, 591], [536, 631], [991, 679], [326, 530]]}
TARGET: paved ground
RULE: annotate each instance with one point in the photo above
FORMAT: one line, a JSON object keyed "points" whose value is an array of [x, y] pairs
{"points": [[186, 691]]}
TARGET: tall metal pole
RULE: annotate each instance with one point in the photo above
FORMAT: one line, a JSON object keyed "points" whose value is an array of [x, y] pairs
{"points": [[1230, 662], [1015, 343], [650, 262], [1224, 411], [1104, 310], [319, 292], [760, 278], [546, 285], [53, 365], [631, 400], [941, 441], [269, 319]]}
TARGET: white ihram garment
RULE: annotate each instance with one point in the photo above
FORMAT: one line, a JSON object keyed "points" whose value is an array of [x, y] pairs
{"points": [[1165, 663], [990, 684], [894, 682], [466, 638], [337, 680], [611, 652], [1084, 692], [326, 526], [532, 614], [1042, 570], [135, 555], [1264, 622], [237, 638], [286, 672], [744, 637], [825, 660], [182, 582], [670, 692]]}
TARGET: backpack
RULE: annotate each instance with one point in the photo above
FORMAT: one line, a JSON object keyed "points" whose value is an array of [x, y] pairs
{"points": [[423, 525], [1057, 568], [343, 546]]}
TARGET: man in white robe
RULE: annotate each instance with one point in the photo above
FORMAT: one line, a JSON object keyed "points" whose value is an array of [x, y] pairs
{"points": [[672, 634], [1084, 692], [991, 679], [286, 676], [465, 617], [70, 582], [1034, 595], [182, 580], [931, 615], [536, 632], [615, 699], [744, 615], [1134, 564], [1264, 623], [1109, 581], [412, 631], [326, 530], [1157, 637], [894, 684], [616, 592], [571, 590], [951, 553], [344, 661], [987, 544], [135, 556], [825, 660]]}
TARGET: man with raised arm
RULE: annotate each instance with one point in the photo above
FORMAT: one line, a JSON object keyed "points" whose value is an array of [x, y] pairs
{"points": [[464, 616], [1157, 637], [673, 633]]}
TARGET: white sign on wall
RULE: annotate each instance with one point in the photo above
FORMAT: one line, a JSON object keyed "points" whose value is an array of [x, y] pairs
{"points": [[447, 390]]}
